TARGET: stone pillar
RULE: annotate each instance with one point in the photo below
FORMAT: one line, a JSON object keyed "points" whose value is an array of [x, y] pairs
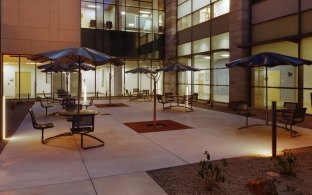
{"points": [[239, 23], [171, 30], [170, 43]]}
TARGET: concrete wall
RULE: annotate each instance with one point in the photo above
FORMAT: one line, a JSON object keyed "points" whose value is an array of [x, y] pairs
{"points": [[32, 26]]}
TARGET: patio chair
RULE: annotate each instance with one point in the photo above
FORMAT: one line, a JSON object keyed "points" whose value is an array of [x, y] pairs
{"points": [[46, 107], [47, 97], [42, 127], [169, 96], [297, 116], [188, 102], [195, 97], [161, 99], [244, 110], [84, 124], [288, 108]]}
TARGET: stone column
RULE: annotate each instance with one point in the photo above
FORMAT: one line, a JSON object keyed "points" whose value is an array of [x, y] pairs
{"points": [[170, 43], [239, 23]]}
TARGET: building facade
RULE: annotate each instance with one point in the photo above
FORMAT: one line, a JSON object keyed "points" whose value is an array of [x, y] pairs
{"points": [[204, 34]]}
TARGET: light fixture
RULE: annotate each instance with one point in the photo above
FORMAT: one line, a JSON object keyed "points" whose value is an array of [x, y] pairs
{"points": [[31, 63], [131, 24], [3, 119], [91, 6], [207, 57], [225, 55], [144, 15], [144, 12], [123, 13]]}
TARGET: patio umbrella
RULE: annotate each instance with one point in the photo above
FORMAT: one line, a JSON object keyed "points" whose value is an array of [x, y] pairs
{"points": [[151, 74], [61, 67], [177, 67], [79, 55], [267, 59]]}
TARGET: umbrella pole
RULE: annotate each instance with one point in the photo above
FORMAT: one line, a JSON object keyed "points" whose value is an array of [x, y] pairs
{"points": [[266, 96], [110, 78], [154, 106], [79, 85]]}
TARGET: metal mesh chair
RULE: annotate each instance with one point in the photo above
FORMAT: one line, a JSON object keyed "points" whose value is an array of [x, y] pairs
{"points": [[42, 127]]}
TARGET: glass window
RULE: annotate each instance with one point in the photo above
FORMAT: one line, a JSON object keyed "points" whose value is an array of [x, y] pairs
{"points": [[184, 22], [220, 77], [132, 19], [201, 45], [201, 15], [307, 79], [132, 79], [199, 4], [99, 16], [145, 20], [109, 16], [184, 49], [88, 15], [220, 41], [132, 3], [221, 7], [201, 79], [184, 9]]}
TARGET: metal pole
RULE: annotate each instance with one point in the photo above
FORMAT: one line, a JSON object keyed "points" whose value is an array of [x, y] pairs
{"points": [[274, 129], [110, 78], [266, 96]]}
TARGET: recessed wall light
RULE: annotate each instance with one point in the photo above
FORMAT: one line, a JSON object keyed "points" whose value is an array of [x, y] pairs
{"points": [[225, 55], [91, 6], [145, 12]]}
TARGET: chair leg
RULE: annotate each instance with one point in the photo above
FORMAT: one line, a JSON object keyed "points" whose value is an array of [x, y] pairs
{"points": [[42, 136], [91, 136], [46, 112]]}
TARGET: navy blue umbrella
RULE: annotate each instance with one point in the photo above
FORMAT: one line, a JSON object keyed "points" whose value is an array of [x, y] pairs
{"points": [[267, 59], [177, 67], [79, 55], [141, 70]]}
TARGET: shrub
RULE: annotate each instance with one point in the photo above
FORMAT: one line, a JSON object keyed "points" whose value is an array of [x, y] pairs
{"points": [[210, 173], [286, 163]]}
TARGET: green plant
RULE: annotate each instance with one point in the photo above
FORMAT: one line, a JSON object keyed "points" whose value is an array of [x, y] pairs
{"points": [[286, 163], [211, 173]]}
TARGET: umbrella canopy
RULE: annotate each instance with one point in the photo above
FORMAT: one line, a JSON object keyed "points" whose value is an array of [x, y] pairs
{"points": [[268, 59], [177, 67], [141, 70], [79, 55], [60, 67]]}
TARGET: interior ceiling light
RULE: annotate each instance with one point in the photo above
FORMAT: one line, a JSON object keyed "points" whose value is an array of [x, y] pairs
{"points": [[225, 55], [91, 6], [144, 15], [145, 12], [206, 57], [123, 13], [131, 24]]}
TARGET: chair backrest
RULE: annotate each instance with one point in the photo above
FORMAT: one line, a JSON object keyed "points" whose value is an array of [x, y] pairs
{"points": [[298, 115], [83, 121], [33, 118], [136, 91], [159, 98], [291, 105], [145, 92], [195, 97]]}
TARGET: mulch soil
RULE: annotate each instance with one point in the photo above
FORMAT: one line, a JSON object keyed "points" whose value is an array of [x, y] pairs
{"points": [[111, 105], [161, 125]]}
